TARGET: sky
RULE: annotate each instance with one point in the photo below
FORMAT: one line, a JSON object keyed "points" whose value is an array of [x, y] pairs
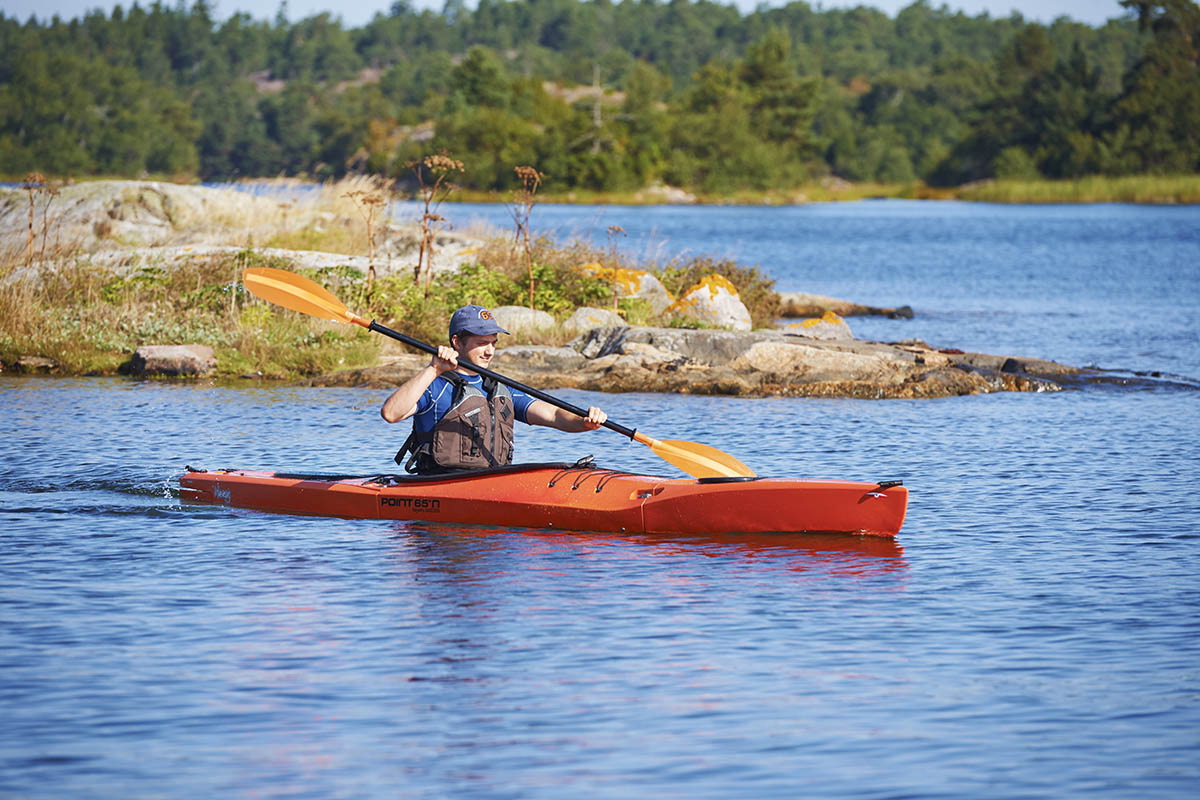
{"points": [[1092, 12]]}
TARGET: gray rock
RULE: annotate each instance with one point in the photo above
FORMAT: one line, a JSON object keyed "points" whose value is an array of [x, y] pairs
{"points": [[171, 359], [587, 318], [766, 363], [600, 342], [520, 318], [538, 357], [806, 364], [706, 346]]}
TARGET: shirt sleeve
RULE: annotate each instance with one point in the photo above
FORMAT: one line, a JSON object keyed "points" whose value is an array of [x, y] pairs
{"points": [[521, 404], [426, 415], [425, 401]]}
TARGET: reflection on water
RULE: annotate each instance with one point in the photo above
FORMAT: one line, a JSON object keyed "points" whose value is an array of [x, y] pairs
{"points": [[831, 554]]}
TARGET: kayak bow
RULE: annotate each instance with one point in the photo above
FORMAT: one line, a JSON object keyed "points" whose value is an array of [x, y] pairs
{"points": [[570, 497]]}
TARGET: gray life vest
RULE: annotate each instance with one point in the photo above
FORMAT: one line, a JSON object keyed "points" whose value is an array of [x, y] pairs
{"points": [[476, 433]]}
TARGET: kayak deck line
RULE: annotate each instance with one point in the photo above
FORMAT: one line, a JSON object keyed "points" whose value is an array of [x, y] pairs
{"points": [[572, 496]]}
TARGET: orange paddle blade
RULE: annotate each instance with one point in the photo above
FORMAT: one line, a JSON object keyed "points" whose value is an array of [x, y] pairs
{"points": [[698, 460], [297, 293]]}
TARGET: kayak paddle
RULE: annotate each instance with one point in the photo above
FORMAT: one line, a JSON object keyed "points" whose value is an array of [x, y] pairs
{"points": [[300, 294]]}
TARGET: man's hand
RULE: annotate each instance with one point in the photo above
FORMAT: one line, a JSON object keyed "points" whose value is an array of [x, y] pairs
{"points": [[445, 360], [595, 419]]}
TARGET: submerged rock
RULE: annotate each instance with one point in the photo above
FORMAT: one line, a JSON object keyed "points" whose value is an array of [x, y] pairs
{"points": [[802, 304]]}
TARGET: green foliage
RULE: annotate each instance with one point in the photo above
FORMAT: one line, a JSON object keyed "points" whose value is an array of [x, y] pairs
{"points": [[636, 310], [1157, 118], [1015, 163], [145, 281], [713, 99], [479, 285], [61, 112]]}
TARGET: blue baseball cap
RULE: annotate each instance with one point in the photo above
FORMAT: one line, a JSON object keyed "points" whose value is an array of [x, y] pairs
{"points": [[475, 320]]}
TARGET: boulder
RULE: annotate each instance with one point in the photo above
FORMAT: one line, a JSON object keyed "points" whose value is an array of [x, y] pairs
{"points": [[828, 326], [587, 318], [633, 283], [649, 355], [520, 318], [171, 359], [714, 301], [703, 346], [805, 364], [538, 357]]}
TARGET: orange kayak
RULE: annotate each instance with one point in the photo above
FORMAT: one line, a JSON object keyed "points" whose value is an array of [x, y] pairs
{"points": [[568, 497]]}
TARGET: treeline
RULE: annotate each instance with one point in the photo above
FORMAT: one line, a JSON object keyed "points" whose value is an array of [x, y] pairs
{"points": [[604, 95]]}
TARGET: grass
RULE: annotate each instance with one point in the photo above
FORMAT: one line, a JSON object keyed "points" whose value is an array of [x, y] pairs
{"points": [[1095, 189], [829, 190], [90, 319], [1129, 189]]}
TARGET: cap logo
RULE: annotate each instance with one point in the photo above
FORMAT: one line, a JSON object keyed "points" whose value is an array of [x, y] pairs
{"points": [[485, 314]]}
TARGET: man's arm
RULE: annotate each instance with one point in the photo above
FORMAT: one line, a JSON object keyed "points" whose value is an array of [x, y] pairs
{"points": [[542, 413], [402, 403]]}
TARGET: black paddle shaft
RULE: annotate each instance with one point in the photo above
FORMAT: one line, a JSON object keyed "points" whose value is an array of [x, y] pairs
{"points": [[496, 376]]}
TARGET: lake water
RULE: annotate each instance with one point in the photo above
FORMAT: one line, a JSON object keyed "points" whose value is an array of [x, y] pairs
{"points": [[1033, 632]]}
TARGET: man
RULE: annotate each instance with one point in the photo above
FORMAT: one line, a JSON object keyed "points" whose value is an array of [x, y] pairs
{"points": [[461, 421]]}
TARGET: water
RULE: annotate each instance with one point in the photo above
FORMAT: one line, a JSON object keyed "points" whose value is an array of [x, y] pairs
{"points": [[1033, 632]]}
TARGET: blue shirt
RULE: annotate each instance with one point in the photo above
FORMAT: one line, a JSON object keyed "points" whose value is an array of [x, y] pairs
{"points": [[435, 401]]}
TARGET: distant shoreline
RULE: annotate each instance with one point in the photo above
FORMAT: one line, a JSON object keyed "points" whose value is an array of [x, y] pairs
{"points": [[1134, 189]]}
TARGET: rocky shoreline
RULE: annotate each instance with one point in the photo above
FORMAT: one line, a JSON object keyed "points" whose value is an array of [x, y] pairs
{"points": [[120, 225], [754, 364]]}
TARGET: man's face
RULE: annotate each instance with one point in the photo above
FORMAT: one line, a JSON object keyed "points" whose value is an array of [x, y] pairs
{"points": [[476, 349]]}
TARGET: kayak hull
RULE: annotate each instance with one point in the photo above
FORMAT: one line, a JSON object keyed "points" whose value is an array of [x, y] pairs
{"points": [[568, 497]]}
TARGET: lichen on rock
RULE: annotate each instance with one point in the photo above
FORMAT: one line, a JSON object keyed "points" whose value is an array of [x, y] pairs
{"points": [[714, 301]]}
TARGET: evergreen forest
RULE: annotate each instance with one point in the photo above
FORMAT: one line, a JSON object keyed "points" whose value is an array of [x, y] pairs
{"points": [[604, 95]]}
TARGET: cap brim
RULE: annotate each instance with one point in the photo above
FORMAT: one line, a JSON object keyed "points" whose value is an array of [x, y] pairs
{"points": [[481, 331]]}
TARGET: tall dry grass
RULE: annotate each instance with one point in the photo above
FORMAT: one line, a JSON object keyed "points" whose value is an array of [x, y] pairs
{"points": [[1175, 189], [90, 319]]}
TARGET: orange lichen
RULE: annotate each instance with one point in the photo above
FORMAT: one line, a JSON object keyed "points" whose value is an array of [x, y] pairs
{"points": [[714, 284], [829, 316], [627, 281]]}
